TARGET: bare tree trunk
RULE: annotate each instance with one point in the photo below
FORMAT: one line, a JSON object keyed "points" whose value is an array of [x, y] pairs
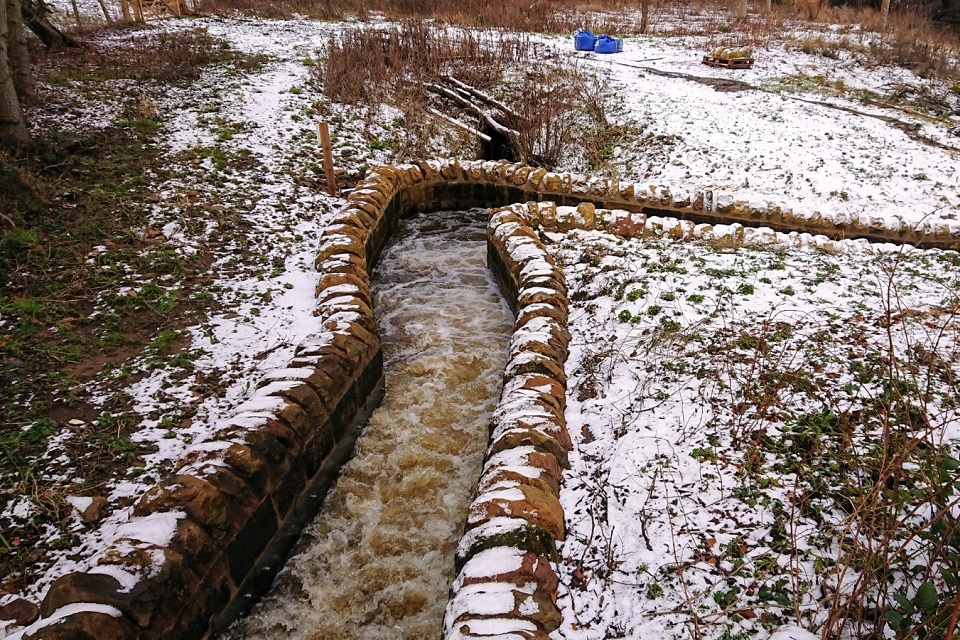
{"points": [[13, 129], [106, 14], [644, 15], [884, 12], [125, 8], [35, 14], [137, 10], [76, 13], [769, 6], [19, 53], [742, 10]]}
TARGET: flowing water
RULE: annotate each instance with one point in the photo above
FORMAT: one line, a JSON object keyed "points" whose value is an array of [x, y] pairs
{"points": [[378, 560]]}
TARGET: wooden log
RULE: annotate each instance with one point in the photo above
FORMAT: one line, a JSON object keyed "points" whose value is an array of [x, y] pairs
{"points": [[507, 132], [482, 97], [459, 124]]}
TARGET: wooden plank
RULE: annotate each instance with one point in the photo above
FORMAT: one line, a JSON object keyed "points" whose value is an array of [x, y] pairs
{"points": [[324, 132]]}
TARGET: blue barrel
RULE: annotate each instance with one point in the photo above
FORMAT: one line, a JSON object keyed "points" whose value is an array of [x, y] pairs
{"points": [[583, 40], [608, 44]]}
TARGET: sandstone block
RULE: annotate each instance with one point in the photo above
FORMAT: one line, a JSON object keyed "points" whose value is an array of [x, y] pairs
{"points": [[529, 568], [20, 611], [86, 625], [82, 587], [515, 438], [535, 179], [201, 500]]}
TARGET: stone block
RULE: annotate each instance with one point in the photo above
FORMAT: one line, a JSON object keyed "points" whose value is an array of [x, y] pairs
{"points": [[493, 478], [537, 607], [86, 625], [199, 499], [520, 176], [515, 438], [333, 245], [305, 397], [20, 612], [535, 179], [535, 363], [351, 284], [193, 543], [528, 312], [530, 568], [251, 540], [520, 535]]}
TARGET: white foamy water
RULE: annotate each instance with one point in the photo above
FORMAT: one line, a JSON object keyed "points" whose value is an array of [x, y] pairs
{"points": [[378, 561]]}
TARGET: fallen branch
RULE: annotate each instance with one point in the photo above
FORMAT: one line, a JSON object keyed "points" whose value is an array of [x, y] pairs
{"points": [[459, 124], [482, 97], [491, 122]]}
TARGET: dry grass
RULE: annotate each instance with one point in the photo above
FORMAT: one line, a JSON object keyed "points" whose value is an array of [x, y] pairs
{"points": [[909, 38], [370, 65], [152, 56], [540, 16]]}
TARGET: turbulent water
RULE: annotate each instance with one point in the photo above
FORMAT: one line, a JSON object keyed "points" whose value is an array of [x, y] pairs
{"points": [[378, 560]]}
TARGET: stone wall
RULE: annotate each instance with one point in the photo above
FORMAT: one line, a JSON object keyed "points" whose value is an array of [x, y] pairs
{"points": [[506, 585], [217, 527]]}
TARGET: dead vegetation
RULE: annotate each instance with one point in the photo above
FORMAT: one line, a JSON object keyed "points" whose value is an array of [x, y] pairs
{"points": [[548, 107]]}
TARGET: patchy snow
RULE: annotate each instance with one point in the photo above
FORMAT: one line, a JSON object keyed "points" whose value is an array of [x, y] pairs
{"points": [[706, 386], [60, 614], [658, 508], [777, 142]]}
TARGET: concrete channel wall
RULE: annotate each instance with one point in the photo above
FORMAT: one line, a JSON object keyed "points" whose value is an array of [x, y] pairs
{"points": [[218, 528]]}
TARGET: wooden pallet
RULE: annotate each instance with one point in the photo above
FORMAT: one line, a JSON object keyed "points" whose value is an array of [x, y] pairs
{"points": [[736, 63]]}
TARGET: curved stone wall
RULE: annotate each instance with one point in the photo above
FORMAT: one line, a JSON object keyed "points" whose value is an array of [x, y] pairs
{"points": [[215, 529]]}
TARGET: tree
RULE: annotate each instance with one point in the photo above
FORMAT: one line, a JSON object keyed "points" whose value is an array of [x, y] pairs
{"points": [[19, 53], [13, 128], [35, 14], [16, 74], [742, 9]]}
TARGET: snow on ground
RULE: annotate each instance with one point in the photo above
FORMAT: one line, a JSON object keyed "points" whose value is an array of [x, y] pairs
{"points": [[713, 393], [659, 513], [773, 144]]}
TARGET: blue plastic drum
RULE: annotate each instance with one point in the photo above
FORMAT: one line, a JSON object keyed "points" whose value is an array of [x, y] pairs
{"points": [[583, 40], [608, 44]]}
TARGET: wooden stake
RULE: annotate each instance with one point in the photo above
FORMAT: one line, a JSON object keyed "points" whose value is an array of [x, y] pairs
{"points": [[324, 132]]}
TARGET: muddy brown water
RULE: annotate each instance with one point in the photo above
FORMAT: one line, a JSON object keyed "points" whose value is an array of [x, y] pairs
{"points": [[377, 562]]}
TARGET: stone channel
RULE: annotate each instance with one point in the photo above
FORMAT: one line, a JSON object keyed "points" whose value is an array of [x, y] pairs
{"points": [[377, 563], [234, 506]]}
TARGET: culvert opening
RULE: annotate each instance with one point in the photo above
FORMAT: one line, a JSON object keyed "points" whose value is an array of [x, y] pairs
{"points": [[377, 562]]}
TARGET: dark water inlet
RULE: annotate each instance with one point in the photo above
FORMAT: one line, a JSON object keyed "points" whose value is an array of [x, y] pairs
{"points": [[378, 560]]}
